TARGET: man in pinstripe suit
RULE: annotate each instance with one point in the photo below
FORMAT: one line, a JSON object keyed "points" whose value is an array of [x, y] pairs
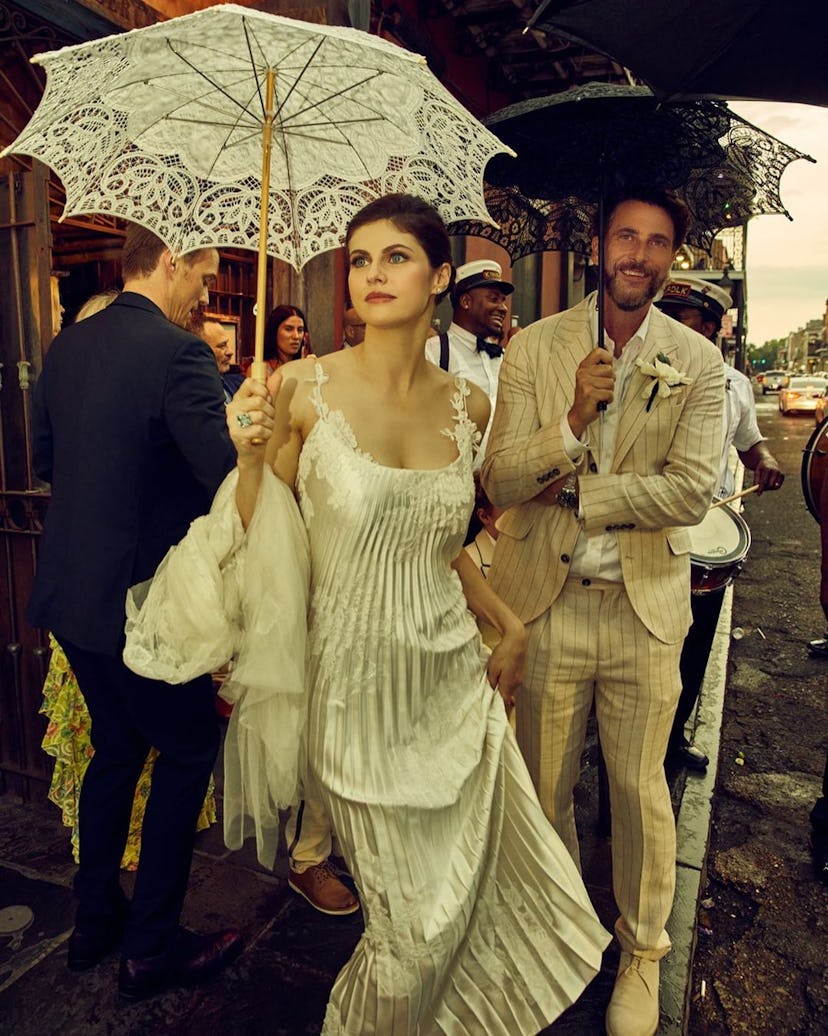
{"points": [[594, 557]]}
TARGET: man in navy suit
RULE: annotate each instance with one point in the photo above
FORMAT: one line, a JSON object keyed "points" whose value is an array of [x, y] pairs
{"points": [[129, 429]]}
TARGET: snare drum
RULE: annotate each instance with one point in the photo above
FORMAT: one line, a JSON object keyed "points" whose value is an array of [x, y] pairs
{"points": [[718, 547]]}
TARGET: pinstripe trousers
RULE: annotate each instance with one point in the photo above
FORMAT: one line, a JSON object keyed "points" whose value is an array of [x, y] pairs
{"points": [[591, 645]]}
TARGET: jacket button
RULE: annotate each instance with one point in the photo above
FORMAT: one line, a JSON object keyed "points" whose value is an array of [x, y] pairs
{"points": [[593, 467], [554, 472], [565, 558], [586, 582], [540, 480]]}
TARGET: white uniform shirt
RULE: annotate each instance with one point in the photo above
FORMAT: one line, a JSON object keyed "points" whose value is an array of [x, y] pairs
{"points": [[740, 427], [478, 368], [596, 556]]}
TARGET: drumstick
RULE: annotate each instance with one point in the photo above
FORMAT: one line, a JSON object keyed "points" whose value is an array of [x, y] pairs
{"points": [[736, 496]]}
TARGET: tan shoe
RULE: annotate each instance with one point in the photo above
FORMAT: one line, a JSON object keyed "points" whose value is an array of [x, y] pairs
{"points": [[633, 1008], [320, 886]]}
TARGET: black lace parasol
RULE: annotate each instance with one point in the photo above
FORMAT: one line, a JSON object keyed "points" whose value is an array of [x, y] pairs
{"points": [[577, 146]]}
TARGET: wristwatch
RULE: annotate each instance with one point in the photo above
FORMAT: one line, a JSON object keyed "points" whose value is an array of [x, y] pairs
{"points": [[568, 493]]}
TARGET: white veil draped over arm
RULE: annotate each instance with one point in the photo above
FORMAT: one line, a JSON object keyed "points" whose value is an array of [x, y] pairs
{"points": [[225, 595]]}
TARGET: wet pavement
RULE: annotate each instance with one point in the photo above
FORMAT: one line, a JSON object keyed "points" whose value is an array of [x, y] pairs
{"points": [[280, 984]]}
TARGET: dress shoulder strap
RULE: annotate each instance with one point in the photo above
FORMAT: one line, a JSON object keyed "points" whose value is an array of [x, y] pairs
{"points": [[465, 432], [458, 400], [319, 379]]}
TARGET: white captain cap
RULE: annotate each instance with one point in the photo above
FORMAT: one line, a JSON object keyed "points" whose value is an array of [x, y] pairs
{"points": [[482, 273], [698, 294]]}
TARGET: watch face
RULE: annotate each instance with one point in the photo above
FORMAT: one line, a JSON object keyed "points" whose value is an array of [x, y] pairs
{"points": [[568, 494]]}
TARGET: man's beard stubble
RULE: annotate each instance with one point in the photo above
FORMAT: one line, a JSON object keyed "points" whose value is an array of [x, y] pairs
{"points": [[633, 299]]}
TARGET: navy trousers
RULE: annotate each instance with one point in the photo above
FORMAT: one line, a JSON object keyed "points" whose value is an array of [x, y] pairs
{"points": [[129, 715]]}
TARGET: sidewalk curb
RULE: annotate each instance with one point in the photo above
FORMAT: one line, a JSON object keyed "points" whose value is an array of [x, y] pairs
{"points": [[693, 836]]}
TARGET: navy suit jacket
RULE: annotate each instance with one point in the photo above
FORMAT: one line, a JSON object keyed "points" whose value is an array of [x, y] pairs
{"points": [[129, 427]]}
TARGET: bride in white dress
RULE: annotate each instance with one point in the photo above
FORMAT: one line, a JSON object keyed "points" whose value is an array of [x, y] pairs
{"points": [[476, 919]]}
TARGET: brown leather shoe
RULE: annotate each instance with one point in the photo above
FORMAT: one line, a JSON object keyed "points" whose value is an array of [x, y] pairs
{"points": [[321, 887], [192, 959]]}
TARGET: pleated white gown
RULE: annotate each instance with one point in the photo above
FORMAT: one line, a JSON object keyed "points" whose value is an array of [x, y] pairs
{"points": [[476, 919]]}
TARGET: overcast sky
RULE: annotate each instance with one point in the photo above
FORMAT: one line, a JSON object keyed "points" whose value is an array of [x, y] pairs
{"points": [[787, 262]]}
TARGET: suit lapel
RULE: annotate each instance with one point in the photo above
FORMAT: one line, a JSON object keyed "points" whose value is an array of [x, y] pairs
{"points": [[572, 342], [634, 414]]}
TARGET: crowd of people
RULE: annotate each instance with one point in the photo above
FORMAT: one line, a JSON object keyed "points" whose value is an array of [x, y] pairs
{"points": [[580, 460]]}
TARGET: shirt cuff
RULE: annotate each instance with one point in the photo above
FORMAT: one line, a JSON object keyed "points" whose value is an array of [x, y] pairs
{"points": [[573, 446]]}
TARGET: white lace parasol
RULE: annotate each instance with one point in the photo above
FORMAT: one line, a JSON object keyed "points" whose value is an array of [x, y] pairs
{"points": [[164, 126]]}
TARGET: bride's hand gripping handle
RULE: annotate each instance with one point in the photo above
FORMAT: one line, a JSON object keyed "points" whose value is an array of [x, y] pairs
{"points": [[250, 420], [250, 417]]}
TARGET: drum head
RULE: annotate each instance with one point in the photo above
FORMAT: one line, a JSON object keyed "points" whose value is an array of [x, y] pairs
{"points": [[721, 538], [814, 464]]}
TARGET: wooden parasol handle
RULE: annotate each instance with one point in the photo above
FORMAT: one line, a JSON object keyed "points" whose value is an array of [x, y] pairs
{"points": [[258, 369], [736, 496]]}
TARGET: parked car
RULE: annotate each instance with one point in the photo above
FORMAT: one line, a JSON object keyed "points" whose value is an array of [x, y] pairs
{"points": [[773, 381], [801, 393]]}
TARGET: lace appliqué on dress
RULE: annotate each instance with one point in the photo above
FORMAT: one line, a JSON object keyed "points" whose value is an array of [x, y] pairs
{"points": [[466, 435], [465, 432], [314, 458]]}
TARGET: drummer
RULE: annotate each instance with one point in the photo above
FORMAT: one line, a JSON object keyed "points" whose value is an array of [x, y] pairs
{"points": [[701, 305]]}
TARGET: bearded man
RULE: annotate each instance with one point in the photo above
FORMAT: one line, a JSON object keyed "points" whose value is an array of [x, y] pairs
{"points": [[602, 453]]}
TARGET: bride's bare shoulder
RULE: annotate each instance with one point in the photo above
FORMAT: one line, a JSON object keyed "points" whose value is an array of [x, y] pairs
{"points": [[299, 370]]}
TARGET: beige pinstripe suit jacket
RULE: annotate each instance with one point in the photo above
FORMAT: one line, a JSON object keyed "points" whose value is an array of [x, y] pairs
{"points": [[662, 478]]}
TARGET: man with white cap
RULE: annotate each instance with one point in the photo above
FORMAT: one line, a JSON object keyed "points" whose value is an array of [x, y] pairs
{"points": [[470, 346], [701, 305]]}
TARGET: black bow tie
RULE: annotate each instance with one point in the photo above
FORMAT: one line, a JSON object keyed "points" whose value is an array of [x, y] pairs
{"points": [[485, 346]]}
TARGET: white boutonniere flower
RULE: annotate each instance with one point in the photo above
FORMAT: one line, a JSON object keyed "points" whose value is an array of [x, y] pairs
{"points": [[665, 378]]}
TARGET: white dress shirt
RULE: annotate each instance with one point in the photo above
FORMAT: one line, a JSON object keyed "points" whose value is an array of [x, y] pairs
{"points": [[477, 367], [597, 556], [740, 427]]}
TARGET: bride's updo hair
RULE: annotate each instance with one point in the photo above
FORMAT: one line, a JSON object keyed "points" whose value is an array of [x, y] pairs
{"points": [[413, 216]]}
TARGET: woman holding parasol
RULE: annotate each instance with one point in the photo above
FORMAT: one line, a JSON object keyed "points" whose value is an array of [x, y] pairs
{"points": [[475, 914]]}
